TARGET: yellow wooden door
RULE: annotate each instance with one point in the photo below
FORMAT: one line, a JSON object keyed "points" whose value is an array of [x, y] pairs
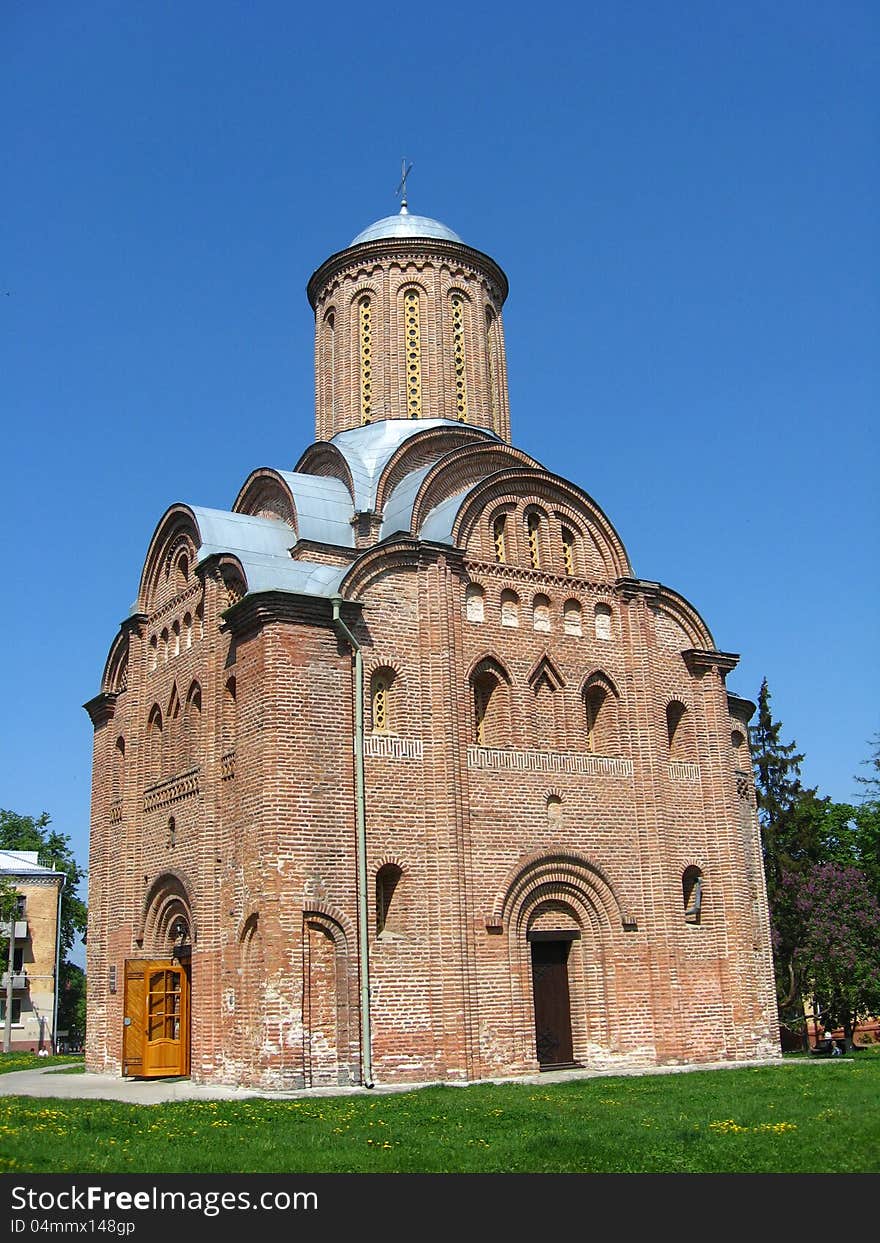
{"points": [[156, 1041], [133, 1021]]}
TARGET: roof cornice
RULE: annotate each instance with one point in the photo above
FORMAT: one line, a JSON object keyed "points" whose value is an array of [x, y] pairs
{"points": [[400, 247]]}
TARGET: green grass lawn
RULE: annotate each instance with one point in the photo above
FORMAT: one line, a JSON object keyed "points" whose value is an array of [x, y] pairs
{"points": [[801, 1116], [29, 1061]]}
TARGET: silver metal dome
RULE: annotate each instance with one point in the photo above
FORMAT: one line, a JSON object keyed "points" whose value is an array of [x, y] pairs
{"points": [[405, 225]]}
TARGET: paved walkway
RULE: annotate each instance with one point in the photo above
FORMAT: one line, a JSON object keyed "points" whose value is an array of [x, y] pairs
{"points": [[49, 1082]]}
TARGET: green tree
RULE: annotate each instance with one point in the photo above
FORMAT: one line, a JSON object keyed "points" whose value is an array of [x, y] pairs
{"points": [[53, 850], [779, 793], [872, 781], [72, 1003], [838, 950]]}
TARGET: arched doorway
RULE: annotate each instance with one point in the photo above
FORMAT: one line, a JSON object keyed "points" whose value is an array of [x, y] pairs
{"points": [[157, 1013], [561, 916]]}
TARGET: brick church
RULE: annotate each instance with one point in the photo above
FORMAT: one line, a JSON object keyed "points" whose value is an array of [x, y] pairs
{"points": [[400, 773]]}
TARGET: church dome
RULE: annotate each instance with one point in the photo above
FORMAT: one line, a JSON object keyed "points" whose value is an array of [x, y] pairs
{"points": [[405, 225]]}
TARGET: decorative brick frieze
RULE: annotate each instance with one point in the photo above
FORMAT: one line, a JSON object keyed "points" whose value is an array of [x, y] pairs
{"points": [[392, 747], [550, 762], [681, 770], [172, 790]]}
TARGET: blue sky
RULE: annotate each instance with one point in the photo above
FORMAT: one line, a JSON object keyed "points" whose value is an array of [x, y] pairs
{"points": [[684, 197]]}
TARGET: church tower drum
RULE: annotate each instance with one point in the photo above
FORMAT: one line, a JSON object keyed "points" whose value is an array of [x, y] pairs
{"points": [[408, 326]]}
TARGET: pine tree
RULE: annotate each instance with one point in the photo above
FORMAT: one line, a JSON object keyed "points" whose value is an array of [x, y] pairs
{"points": [[779, 792]]}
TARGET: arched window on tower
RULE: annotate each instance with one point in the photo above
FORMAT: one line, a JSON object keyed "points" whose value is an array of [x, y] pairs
{"points": [[412, 334], [328, 369], [457, 304], [365, 345], [388, 880], [492, 368]]}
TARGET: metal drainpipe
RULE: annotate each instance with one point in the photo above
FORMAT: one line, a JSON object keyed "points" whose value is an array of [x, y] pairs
{"points": [[57, 968], [363, 952]]}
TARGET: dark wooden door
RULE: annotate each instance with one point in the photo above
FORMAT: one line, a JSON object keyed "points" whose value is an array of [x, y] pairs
{"points": [[156, 1033], [552, 1005]]}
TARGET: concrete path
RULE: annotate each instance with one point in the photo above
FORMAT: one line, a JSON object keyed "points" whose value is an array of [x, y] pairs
{"points": [[49, 1083]]}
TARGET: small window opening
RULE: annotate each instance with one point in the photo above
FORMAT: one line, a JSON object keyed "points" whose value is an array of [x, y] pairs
{"points": [[387, 880], [499, 538], [692, 893]]}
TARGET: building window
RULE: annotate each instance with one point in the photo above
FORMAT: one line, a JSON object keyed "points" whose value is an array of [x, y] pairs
{"points": [[533, 528], [571, 617], [187, 631], [692, 893], [413, 345], [541, 613], [461, 400], [568, 550], [380, 698], [154, 743], [118, 767], [387, 880], [171, 839], [600, 704], [365, 337], [603, 621], [475, 602], [328, 365], [484, 688], [492, 361], [491, 708], [16, 1011], [154, 652], [678, 731], [509, 608], [499, 538], [228, 722]]}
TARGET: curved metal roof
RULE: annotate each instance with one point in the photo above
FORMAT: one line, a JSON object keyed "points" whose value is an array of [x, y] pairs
{"points": [[405, 225], [367, 450], [325, 512]]}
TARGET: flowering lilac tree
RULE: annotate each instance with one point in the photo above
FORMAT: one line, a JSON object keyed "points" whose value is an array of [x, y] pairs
{"points": [[838, 940]]}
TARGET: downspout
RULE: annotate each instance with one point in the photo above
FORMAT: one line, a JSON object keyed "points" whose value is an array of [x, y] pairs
{"points": [[361, 848], [57, 967]]}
